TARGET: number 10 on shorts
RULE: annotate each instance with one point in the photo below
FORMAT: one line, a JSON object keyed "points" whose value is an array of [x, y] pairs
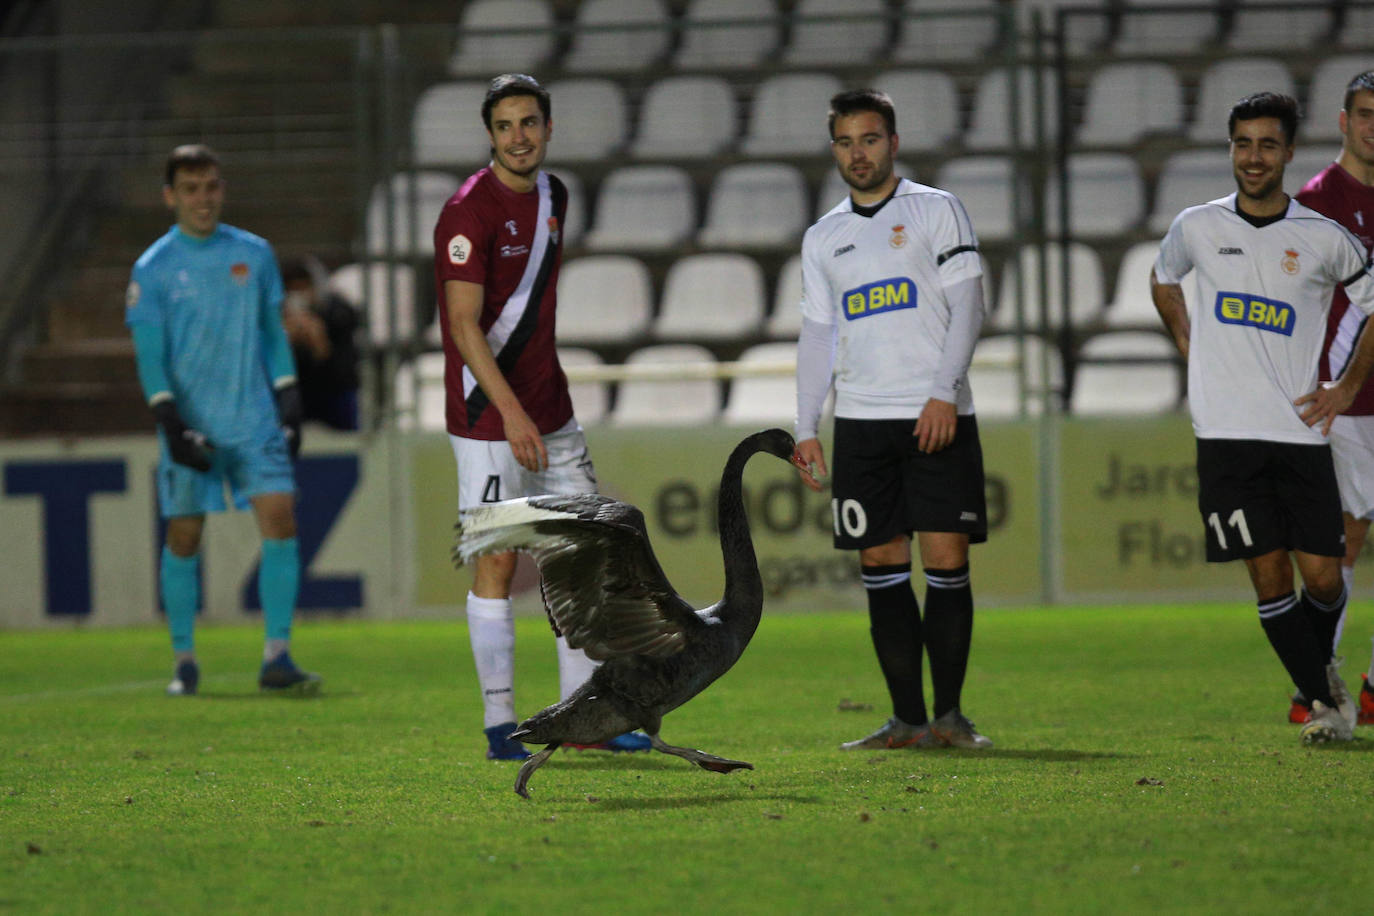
{"points": [[1236, 521], [850, 517]]}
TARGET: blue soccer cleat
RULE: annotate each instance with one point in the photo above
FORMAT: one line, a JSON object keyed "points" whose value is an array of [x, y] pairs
{"points": [[501, 746], [185, 681], [628, 742], [281, 675]]}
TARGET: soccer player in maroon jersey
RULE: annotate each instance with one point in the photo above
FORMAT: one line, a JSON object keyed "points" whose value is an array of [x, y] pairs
{"points": [[497, 249], [1344, 191]]}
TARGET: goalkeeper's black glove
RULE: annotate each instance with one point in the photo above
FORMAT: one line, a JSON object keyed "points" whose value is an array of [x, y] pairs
{"points": [[291, 411], [187, 446]]}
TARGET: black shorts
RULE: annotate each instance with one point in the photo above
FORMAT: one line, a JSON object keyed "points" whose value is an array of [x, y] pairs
{"points": [[882, 486], [1257, 496]]}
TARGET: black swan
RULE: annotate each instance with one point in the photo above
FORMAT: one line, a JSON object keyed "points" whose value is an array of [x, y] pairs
{"points": [[605, 591]]}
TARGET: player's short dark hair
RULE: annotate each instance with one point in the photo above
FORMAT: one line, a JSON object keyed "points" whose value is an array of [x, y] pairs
{"points": [[1266, 105], [512, 84], [1364, 82], [190, 156], [853, 101]]}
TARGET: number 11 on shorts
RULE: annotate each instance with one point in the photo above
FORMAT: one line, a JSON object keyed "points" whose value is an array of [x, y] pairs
{"points": [[1236, 521]]}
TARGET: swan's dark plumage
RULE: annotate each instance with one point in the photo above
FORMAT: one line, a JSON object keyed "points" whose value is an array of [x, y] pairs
{"points": [[606, 593]]}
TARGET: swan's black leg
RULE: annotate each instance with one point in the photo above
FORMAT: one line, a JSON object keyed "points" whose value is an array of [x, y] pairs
{"points": [[530, 765], [700, 758]]}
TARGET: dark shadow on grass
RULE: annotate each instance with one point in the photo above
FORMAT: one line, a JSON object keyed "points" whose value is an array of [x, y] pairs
{"points": [[320, 697], [701, 801], [1044, 755]]}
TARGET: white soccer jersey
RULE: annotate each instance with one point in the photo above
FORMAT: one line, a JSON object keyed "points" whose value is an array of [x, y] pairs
{"points": [[880, 281], [1259, 316]]}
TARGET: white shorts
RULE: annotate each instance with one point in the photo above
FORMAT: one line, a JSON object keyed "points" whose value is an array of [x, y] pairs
{"points": [[1352, 452], [488, 471]]}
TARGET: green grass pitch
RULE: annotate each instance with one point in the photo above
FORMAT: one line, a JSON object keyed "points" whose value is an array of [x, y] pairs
{"points": [[1143, 764]]}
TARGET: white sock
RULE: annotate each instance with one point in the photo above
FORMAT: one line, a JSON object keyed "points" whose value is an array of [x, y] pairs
{"points": [[491, 628], [273, 647], [574, 667], [1348, 577]]}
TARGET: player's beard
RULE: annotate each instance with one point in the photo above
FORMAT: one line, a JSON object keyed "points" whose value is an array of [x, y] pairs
{"points": [[505, 163], [1263, 191], [878, 174]]}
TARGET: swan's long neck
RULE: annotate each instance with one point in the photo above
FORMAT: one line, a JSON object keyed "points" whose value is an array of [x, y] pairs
{"points": [[743, 584]]}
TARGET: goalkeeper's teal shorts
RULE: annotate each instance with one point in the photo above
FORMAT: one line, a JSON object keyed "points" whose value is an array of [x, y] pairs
{"points": [[246, 470]]}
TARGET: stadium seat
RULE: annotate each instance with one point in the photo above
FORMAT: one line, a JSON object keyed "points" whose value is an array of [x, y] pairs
{"points": [[1129, 101], [990, 128], [606, 298], [834, 189], [727, 34], [1106, 194], [841, 32], [412, 237], [1086, 292], [1356, 31], [643, 207], [985, 185], [447, 127], [1326, 92], [668, 402], [618, 35], [481, 51], [927, 106], [1225, 81], [590, 121], [1085, 32], [927, 33], [784, 319], [368, 288], [787, 115], [1126, 372], [1161, 33], [715, 296], [686, 117], [756, 400], [591, 400], [1189, 178], [1132, 305], [1269, 28], [996, 378], [575, 221], [420, 397], [753, 204]]}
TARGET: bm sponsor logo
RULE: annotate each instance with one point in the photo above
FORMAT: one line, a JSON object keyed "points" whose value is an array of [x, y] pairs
{"points": [[1255, 312], [879, 296]]}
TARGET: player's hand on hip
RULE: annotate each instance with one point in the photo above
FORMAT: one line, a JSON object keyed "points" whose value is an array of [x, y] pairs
{"points": [[1324, 405], [809, 459], [936, 425], [525, 442]]}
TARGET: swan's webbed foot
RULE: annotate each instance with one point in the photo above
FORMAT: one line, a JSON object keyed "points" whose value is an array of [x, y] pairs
{"points": [[700, 758], [529, 766]]}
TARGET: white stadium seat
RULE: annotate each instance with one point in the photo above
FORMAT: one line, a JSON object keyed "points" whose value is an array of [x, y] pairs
{"points": [[1106, 194], [369, 288], [589, 118], [667, 402], [1189, 178], [618, 35], [686, 117], [923, 38], [643, 207], [1129, 101], [927, 107], [727, 34], [990, 128], [755, 203], [1224, 83], [985, 185], [1132, 305], [711, 297], [1086, 296], [412, 237], [1326, 92], [591, 400], [841, 32], [484, 51], [761, 399], [784, 319], [604, 298], [1106, 388], [997, 382], [1269, 28], [787, 115], [1160, 32], [446, 128]]}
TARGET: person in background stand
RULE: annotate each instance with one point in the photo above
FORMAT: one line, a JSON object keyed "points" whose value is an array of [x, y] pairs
{"points": [[321, 328]]}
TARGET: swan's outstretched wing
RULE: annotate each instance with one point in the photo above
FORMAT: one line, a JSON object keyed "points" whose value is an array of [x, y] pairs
{"points": [[602, 585]]}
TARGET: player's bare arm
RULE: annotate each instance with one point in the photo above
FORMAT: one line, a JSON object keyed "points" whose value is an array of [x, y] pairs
{"points": [[936, 425], [465, 308], [1330, 400], [1172, 308], [809, 459]]}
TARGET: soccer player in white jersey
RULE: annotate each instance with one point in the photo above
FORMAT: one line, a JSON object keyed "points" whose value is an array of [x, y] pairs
{"points": [[1265, 269], [892, 305]]}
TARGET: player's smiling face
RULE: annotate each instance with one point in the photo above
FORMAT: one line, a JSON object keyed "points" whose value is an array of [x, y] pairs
{"points": [[519, 139], [196, 197], [864, 153], [1357, 125], [1259, 152]]}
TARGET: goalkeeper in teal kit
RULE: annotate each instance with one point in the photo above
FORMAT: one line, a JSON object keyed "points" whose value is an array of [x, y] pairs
{"points": [[204, 308]]}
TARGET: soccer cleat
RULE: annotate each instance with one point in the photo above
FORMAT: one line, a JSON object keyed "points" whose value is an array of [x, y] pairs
{"points": [[501, 746], [957, 731], [1299, 710], [1366, 713], [896, 734], [281, 675], [1326, 725], [185, 681], [1345, 703], [628, 742]]}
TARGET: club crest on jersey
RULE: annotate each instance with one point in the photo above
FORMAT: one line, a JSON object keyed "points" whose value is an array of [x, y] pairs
{"points": [[1290, 261], [880, 296], [514, 229], [1255, 312], [898, 236], [553, 230], [459, 249], [240, 273]]}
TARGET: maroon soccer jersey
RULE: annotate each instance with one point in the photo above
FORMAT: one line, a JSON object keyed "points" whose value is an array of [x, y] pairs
{"points": [[1334, 192], [511, 243]]}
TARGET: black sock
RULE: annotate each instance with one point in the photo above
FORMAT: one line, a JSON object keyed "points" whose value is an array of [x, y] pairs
{"points": [[895, 624], [949, 633], [1297, 644], [1325, 618]]}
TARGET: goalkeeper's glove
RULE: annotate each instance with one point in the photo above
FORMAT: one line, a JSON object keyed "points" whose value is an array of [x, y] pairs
{"points": [[291, 411], [187, 446]]}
